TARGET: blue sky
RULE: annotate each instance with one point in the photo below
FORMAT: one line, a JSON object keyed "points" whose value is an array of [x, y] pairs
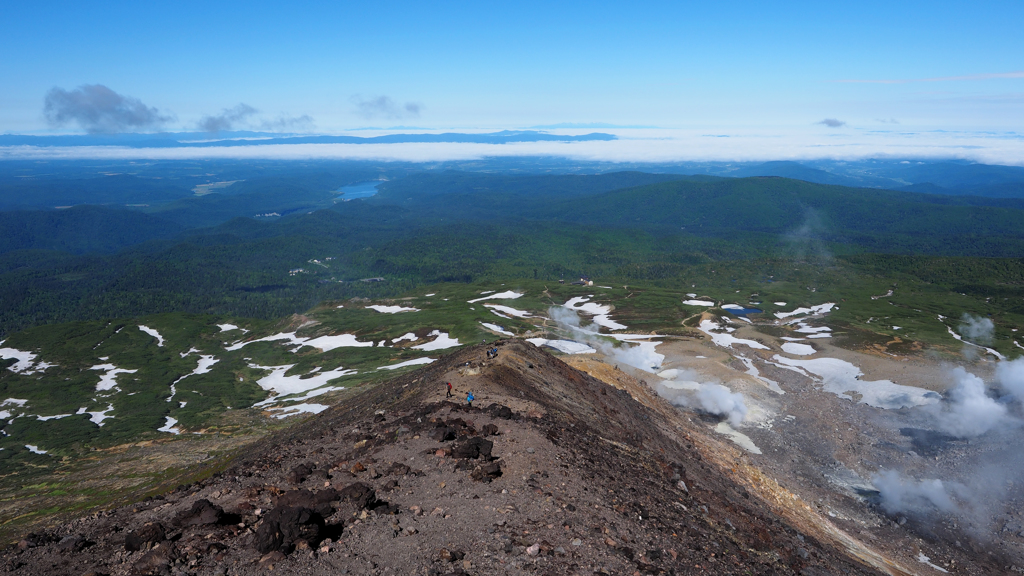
{"points": [[341, 65]]}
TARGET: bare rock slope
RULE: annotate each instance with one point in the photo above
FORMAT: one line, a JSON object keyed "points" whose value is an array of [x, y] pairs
{"points": [[549, 472]]}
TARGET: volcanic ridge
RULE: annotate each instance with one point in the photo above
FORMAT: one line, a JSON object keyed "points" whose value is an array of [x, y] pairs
{"points": [[549, 471]]}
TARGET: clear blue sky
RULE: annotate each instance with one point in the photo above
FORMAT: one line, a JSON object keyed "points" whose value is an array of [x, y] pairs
{"points": [[516, 64]]}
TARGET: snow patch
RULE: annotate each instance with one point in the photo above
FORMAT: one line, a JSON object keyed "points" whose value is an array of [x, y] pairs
{"points": [[26, 361], [414, 362], [54, 417], [698, 303], [819, 309], [738, 438], [798, 349], [154, 334], [97, 417], [752, 370], [508, 295], [844, 379], [496, 328], [392, 309], [441, 342], [600, 312], [726, 340], [109, 378], [35, 449], [926, 560], [296, 409], [283, 385], [324, 343], [564, 346], [169, 426], [496, 308], [204, 366]]}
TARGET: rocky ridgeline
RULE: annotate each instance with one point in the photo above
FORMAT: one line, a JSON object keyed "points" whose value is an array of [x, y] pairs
{"points": [[557, 474]]}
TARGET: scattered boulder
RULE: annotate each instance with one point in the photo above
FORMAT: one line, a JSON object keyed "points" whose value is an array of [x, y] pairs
{"points": [[442, 434], [202, 512], [359, 495], [489, 430], [150, 533], [446, 555], [34, 539], [486, 472], [299, 474], [285, 526], [398, 469], [473, 448], [156, 561], [319, 502], [499, 411], [73, 543]]}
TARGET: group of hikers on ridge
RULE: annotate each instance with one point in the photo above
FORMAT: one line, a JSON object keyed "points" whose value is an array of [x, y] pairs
{"points": [[491, 353], [469, 395]]}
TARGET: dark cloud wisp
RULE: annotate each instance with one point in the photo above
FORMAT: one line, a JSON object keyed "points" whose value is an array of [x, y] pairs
{"points": [[385, 107], [227, 119], [288, 123], [98, 109], [832, 123]]}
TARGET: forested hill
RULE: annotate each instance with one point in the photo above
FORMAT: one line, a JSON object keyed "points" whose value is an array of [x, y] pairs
{"points": [[458, 227]]}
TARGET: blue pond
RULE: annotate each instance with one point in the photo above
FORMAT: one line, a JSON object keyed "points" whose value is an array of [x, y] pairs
{"points": [[358, 190]]}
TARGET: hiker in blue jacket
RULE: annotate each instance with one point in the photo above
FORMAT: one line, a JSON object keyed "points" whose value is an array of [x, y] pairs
{"points": [[469, 399]]}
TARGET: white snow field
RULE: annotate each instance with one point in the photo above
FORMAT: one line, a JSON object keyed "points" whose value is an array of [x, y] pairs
{"points": [[154, 334], [508, 295], [283, 385], [819, 309], [169, 426], [798, 349], [414, 362], [497, 309], [109, 377], [564, 346], [843, 379], [324, 343], [26, 361], [600, 312], [725, 339], [496, 328], [392, 309], [441, 342]]}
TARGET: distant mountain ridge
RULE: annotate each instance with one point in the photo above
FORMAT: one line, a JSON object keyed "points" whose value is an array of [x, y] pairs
{"points": [[215, 140]]}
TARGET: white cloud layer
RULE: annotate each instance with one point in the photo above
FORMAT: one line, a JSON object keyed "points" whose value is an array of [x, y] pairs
{"points": [[640, 145]]}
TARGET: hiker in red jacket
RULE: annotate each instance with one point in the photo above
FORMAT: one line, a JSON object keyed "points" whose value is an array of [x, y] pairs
{"points": [[449, 390]]}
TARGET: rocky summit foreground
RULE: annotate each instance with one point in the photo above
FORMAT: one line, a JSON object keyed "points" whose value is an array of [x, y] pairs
{"points": [[551, 471]]}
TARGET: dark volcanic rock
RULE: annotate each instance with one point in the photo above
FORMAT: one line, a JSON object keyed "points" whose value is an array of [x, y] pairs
{"points": [[73, 543], [285, 526], [486, 472], [319, 502], [359, 495], [156, 561], [202, 512], [473, 448], [298, 474], [442, 434], [150, 533], [499, 411]]}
